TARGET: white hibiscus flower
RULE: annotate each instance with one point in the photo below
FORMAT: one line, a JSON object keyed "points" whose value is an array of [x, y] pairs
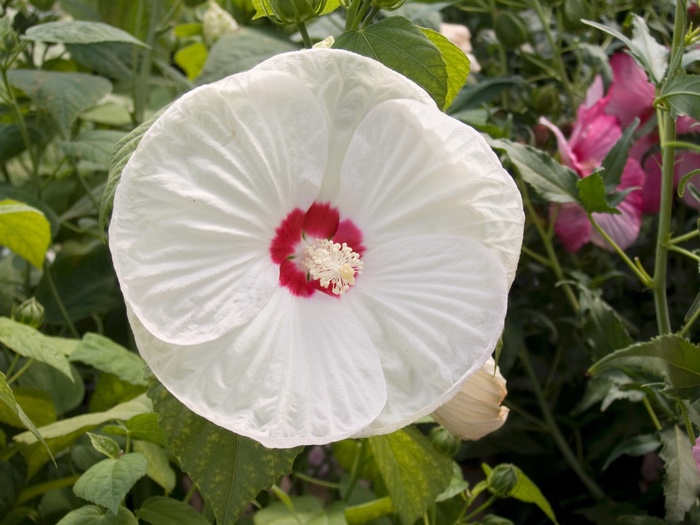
{"points": [[311, 250]]}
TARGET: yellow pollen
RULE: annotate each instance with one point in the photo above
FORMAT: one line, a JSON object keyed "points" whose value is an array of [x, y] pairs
{"points": [[333, 264]]}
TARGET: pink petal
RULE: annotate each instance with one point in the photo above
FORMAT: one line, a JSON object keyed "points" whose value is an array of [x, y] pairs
{"points": [[594, 136], [568, 157], [631, 94], [571, 226]]}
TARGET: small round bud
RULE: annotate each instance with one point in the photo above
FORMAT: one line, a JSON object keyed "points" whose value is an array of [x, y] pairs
{"points": [[294, 11], [510, 29], [217, 22], [29, 312], [545, 100], [574, 11], [444, 441], [502, 480]]}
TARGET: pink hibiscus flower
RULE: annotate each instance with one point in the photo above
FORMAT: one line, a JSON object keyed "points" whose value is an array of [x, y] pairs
{"points": [[595, 133]]}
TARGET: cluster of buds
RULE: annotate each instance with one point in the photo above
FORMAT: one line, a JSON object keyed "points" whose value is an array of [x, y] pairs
{"points": [[293, 11]]}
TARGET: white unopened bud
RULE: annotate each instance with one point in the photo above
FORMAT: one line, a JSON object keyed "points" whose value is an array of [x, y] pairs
{"points": [[476, 409]]}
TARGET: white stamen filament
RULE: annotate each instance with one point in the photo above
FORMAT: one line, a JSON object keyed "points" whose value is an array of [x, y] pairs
{"points": [[332, 264]]}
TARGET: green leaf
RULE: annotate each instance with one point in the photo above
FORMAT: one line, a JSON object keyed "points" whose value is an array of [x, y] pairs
{"points": [[84, 279], [37, 404], [648, 52], [107, 483], [25, 231], [65, 393], [682, 484], [413, 471], [192, 58], [167, 511], [456, 61], [105, 445], [63, 433], [304, 510], [135, 17], [230, 469], [682, 92], [608, 386], [105, 355], [525, 490], [79, 32], [110, 59], [63, 95], [159, 469], [603, 327], [8, 399], [94, 146], [146, 428], [550, 180], [592, 194], [668, 357], [636, 446], [120, 156], [400, 45], [30, 343], [91, 515], [616, 159], [369, 512], [240, 51]]}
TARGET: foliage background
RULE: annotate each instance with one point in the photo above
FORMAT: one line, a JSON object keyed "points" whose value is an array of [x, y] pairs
{"points": [[79, 440]]}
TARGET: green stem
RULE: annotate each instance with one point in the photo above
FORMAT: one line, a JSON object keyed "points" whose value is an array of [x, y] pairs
{"points": [[351, 22], [142, 81], [371, 16], [481, 508], [689, 322], [667, 131], [641, 274], [685, 237], [355, 470], [59, 303], [652, 414], [686, 421], [555, 432], [683, 251], [21, 371], [317, 481], [301, 27], [549, 248]]}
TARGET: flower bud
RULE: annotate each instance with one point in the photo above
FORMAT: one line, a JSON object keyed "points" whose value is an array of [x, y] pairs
{"points": [[216, 23], [476, 409], [502, 480], [510, 29], [294, 11], [30, 312], [444, 442], [388, 5]]}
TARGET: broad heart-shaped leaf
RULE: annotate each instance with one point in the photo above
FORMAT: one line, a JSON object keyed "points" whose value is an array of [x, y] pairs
{"points": [[230, 469], [400, 45], [668, 357], [25, 231], [107, 483], [79, 32], [681, 484], [63, 95], [551, 180], [414, 473], [240, 51], [592, 194], [682, 92], [456, 61], [7, 398], [92, 515], [105, 355], [121, 153], [159, 510], [28, 342], [636, 446]]}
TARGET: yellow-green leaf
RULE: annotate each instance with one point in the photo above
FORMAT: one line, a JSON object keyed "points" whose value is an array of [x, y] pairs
{"points": [[25, 231]]}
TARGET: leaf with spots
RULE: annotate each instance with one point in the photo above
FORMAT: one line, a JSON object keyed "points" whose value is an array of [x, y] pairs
{"points": [[230, 469]]}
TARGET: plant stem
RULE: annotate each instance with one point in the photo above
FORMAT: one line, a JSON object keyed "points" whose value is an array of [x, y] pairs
{"points": [[144, 73], [549, 248], [481, 508], [667, 131], [685, 237], [21, 371], [59, 303], [555, 432], [301, 27]]}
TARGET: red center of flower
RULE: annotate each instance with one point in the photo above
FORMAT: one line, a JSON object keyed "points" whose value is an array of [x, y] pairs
{"points": [[299, 235]]}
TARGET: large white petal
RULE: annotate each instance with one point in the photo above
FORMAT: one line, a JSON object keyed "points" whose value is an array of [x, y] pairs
{"points": [[303, 371], [348, 86], [199, 201], [410, 169], [434, 306]]}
